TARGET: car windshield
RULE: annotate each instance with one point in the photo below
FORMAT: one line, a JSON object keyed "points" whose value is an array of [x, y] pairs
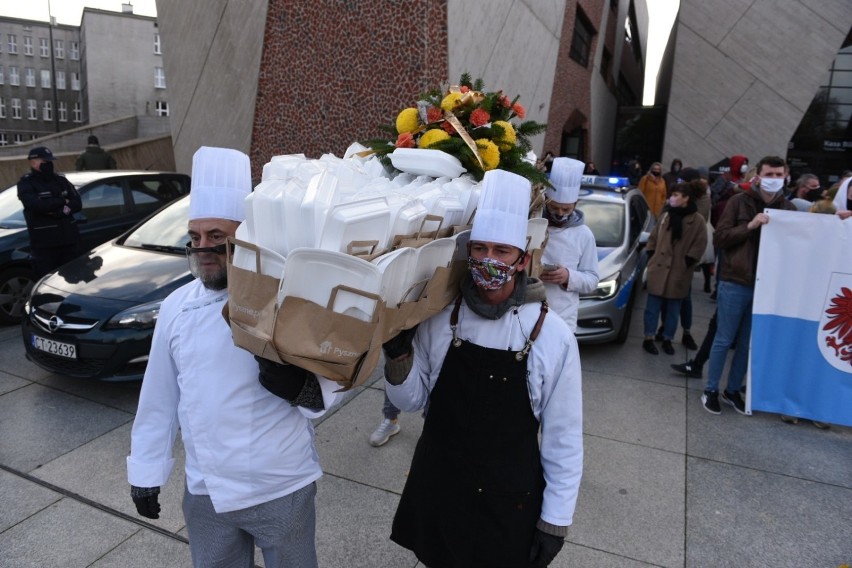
{"points": [[164, 231], [11, 209], [606, 220]]}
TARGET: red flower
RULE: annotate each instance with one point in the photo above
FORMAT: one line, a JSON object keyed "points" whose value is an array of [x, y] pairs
{"points": [[505, 102], [448, 128], [405, 140], [479, 117], [464, 88], [518, 109], [434, 114]]}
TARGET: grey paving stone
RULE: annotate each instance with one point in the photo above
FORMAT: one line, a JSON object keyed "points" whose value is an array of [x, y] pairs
{"points": [[21, 499], [743, 517], [97, 470], [762, 441], [353, 526], [631, 502], [40, 424], [67, 534], [146, 549], [15, 362], [122, 396], [9, 382], [633, 411], [574, 556], [344, 448]]}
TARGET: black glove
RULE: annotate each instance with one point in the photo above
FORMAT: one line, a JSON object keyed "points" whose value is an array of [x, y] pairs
{"points": [[281, 379], [544, 549], [146, 501], [399, 345], [690, 261]]}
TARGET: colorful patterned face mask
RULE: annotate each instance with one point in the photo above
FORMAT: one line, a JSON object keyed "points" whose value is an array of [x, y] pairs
{"points": [[490, 274]]}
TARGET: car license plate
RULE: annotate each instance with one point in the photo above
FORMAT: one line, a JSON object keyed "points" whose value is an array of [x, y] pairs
{"points": [[57, 348]]}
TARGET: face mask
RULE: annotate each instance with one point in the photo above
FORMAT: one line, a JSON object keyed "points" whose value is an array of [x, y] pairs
{"points": [[813, 194], [490, 274], [655, 174], [743, 168], [46, 167], [555, 220], [771, 185], [676, 168]]}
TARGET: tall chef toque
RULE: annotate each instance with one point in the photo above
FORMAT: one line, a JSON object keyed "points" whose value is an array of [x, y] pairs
{"points": [[565, 176], [503, 211], [221, 180]]}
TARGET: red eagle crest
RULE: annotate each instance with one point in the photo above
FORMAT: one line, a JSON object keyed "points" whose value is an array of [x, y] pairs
{"points": [[839, 325]]}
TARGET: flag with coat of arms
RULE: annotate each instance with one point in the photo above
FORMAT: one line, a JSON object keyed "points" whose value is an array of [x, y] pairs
{"points": [[801, 356]]}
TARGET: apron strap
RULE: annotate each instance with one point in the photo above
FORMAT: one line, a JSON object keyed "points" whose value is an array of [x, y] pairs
{"points": [[454, 322], [519, 356]]}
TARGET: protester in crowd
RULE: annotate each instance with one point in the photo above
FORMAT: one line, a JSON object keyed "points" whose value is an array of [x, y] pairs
{"points": [[738, 237], [806, 192], [591, 170], [95, 157], [673, 176], [634, 172], [251, 464], [674, 249], [494, 367], [570, 258], [727, 185], [843, 198], [705, 206], [50, 201], [653, 188]]}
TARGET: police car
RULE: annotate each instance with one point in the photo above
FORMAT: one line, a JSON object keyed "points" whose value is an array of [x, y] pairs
{"points": [[621, 222]]}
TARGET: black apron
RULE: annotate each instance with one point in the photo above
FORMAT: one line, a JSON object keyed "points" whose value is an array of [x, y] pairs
{"points": [[474, 491]]}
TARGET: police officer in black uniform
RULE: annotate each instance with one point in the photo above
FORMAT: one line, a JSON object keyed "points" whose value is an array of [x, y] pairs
{"points": [[50, 202]]}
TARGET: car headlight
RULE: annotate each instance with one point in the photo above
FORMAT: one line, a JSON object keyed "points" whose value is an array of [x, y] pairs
{"points": [[143, 316], [606, 289]]}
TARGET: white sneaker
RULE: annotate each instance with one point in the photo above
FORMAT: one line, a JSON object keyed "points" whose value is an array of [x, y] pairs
{"points": [[383, 433]]}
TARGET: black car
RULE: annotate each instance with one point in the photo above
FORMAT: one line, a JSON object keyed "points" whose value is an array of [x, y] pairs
{"points": [[113, 202], [94, 317]]}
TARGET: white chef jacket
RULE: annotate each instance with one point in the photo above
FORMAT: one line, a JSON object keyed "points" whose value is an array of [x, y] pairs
{"points": [[554, 382], [244, 445], [574, 248]]}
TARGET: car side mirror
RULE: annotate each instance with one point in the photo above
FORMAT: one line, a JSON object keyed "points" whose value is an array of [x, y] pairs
{"points": [[643, 239]]}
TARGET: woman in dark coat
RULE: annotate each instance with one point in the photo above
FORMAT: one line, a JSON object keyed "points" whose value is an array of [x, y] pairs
{"points": [[674, 249]]}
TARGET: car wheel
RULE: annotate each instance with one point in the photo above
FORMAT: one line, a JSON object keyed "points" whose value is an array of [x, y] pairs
{"points": [[15, 287], [628, 316]]}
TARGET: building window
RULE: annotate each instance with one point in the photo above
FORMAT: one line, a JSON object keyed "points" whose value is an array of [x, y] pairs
{"points": [[14, 78], [159, 78], [74, 50], [43, 47], [77, 112], [63, 111], [157, 44], [29, 76], [60, 80], [581, 41], [28, 45], [32, 109], [47, 111], [2, 107], [75, 81], [13, 43], [3, 140], [19, 138], [16, 109], [59, 49], [45, 79], [161, 108]]}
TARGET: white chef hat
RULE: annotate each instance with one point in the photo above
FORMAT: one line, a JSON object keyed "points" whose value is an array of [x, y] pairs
{"points": [[503, 210], [565, 175], [221, 180]]}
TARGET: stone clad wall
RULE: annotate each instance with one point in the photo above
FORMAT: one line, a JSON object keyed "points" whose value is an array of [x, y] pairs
{"points": [[331, 71]]}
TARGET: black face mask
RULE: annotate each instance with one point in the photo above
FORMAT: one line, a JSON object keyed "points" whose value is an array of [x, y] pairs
{"points": [[813, 194], [218, 249], [46, 167]]}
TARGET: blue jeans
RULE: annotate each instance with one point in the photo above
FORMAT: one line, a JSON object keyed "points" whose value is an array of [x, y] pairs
{"points": [[733, 322], [389, 410], [653, 305]]}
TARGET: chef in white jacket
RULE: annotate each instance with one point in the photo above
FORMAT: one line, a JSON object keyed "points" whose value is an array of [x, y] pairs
{"points": [[570, 250], [496, 369], [251, 463]]}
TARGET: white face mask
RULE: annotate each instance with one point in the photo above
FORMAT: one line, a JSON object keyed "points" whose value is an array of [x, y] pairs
{"points": [[743, 168], [771, 185]]}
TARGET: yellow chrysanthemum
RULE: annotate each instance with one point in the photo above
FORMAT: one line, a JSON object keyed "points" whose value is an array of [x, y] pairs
{"points": [[508, 138], [489, 153], [408, 120], [449, 102], [432, 136]]}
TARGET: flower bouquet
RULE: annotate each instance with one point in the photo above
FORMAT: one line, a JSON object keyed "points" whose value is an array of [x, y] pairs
{"points": [[471, 125]]}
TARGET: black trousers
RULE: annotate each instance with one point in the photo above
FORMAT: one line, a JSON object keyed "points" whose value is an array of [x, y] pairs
{"points": [[47, 259]]}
